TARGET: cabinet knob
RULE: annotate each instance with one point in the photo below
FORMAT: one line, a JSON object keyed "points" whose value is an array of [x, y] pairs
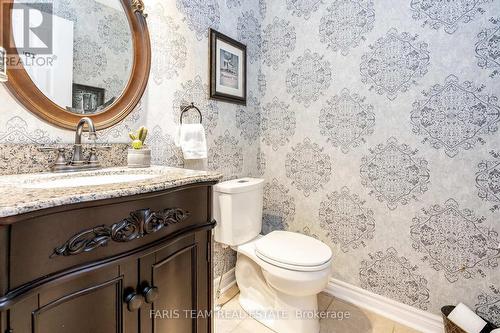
{"points": [[150, 293], [134, 301]]}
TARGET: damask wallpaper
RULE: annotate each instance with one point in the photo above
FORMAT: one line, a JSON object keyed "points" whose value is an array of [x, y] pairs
{"points": [[379, 136], [375, 124]]}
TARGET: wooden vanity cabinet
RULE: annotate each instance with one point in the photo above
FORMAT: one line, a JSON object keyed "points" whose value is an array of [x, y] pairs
{"points": [[146, 268]]}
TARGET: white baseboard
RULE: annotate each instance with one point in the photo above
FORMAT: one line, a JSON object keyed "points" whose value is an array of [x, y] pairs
{"points": [[407, 315], [228, 281]]}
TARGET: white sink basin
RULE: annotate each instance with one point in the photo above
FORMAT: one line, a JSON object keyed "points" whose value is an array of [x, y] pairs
{"points": [[78, 181]]}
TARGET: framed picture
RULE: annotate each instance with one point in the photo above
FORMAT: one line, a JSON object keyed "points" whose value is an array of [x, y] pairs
{"points": [[3, 65], [228, 69]]}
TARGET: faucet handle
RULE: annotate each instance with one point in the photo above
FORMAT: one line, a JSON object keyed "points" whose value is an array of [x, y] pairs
{"points": [[93, 153], [93, 156], [60, 159], [46, 149]]}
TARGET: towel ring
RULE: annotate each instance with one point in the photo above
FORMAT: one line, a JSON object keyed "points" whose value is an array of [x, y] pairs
{"points": [[187, 108]]}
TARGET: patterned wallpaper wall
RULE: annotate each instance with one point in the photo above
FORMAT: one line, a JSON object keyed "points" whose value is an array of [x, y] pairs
{"points": [[179, 32], [375, 124], [380, 137]]}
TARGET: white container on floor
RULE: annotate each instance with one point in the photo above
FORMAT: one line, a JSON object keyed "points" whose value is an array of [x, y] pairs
{"points": [[466, 319]]}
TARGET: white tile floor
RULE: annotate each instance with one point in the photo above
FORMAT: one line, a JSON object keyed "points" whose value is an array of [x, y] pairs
{"points": [[233, 319]]}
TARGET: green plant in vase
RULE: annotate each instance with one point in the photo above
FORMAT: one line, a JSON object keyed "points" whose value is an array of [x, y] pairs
{"points": [[138, 137], [139, 156]]}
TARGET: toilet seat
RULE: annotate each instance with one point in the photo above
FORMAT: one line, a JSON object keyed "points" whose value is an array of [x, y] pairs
{"points": [[294, 267], [293, 251]]}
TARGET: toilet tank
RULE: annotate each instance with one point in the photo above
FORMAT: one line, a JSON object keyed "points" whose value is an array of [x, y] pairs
{"points": [[237, 208]]}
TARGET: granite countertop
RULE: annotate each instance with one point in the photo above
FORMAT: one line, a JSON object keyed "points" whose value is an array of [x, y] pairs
{"points": [[18, 197]]}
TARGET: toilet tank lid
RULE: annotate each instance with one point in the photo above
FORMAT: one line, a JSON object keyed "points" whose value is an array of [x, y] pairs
{"points": [[239, 185]]}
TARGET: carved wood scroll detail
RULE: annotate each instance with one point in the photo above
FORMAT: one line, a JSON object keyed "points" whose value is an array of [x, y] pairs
{"points": [[140, 223], [138, 7]]}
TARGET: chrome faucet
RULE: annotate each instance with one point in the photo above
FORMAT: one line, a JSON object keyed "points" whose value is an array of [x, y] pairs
{"points": [[77, 148], [77, 162]]}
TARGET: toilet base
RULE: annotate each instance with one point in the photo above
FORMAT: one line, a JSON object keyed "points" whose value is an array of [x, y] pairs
{"points": [[278, 311]]}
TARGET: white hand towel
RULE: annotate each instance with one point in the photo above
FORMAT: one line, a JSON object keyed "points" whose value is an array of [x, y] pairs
{"points": [[193, 141], [466, 319]]}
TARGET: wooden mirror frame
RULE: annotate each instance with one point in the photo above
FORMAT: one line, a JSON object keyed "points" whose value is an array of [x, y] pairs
{"points": [[28, 94]]}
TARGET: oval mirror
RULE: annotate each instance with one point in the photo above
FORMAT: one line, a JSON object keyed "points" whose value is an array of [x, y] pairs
{"points": [[69, 59]]}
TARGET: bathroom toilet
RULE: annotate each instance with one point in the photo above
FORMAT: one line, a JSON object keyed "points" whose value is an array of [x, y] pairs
{"points": [[280, 274]]}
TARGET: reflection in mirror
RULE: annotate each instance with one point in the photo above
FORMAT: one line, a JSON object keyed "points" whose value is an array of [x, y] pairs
{"points": [[91, 53]]}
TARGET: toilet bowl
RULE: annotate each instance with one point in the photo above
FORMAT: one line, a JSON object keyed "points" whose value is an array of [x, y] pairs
{"points": [[280, 274], [281, 298]]}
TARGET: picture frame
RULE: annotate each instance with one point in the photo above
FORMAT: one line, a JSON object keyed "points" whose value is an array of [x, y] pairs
{"points": [[87, 99], [228, 69], [3, 65]]}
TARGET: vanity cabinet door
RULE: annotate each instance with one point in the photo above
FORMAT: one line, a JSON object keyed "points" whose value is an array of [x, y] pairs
{"points": [[91, 302], [177, 278]]}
